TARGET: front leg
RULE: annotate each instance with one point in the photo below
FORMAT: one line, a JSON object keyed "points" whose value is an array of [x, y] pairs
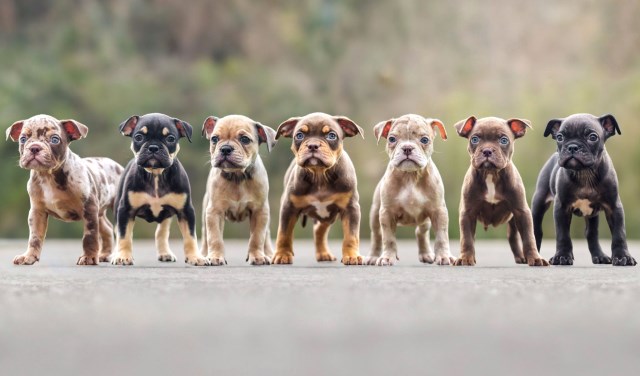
{"points": [[564, 247], [320, 232], [187, 224], [258, 223], [440, 223], [215, 243], [37, 231], [467, 237], [351, 230], [124, 238], [388, 226], [524, 224], [619, 252], [91, 235], [284, 239]]}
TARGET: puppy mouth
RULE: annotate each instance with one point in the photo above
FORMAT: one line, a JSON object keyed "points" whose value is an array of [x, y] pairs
{"points": [[228, 162], [313, 160], [35, 162], [572, 162]]}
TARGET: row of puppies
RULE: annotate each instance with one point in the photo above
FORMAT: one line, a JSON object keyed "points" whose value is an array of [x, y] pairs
{"points": [[320, 183]]}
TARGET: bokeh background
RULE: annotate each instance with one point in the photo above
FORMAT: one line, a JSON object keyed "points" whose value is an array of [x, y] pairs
{"points": [[101, 62]]}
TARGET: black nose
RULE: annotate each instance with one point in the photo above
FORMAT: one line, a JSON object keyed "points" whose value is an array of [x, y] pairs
{"points": [[35, 149], [153, 148], [573, 148], [313, 147], [407, 150], [487, 152], [226, 150]]}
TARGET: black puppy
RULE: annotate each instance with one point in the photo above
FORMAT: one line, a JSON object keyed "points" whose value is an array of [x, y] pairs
{"points": [[155, 187], [580, 179]]}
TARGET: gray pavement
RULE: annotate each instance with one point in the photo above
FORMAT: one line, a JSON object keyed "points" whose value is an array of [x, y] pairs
{"points": [[497, 318]]}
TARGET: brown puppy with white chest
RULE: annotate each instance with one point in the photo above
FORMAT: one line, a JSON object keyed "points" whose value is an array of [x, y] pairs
{"points": [[493, 192], [410, 193], [320, 183], [238, 186], [65, 186]]}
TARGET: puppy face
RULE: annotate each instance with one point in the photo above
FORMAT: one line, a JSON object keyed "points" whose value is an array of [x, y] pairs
{"points": [[235, 140], [155, 139], [317, 138], [409, 140], [44, 140], [491, 140], [581, 139]]}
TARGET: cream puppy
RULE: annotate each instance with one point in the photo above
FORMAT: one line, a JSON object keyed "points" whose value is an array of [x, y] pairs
{"points": [[410, 193]]}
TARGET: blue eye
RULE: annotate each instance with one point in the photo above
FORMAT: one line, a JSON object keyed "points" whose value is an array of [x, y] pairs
{"points": [[245, 140], [23, 139], [424, 140], [171, 139], [332, 136], [55, 140], [593, 137], [504, 140], [475, 139], [391, 139], [214, 139], [559, 137], [299, 136], [138, 137]]}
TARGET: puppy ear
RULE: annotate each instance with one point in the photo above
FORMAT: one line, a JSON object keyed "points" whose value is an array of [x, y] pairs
{"points": [[464, 127], [127, 127], [519, 126], [266, 134], [75, 130], [208, 125], [435, 123], [348, 126], [610, 125], [14, 130], [552, 127], [185, 129], [382, 129], [286, 128]]}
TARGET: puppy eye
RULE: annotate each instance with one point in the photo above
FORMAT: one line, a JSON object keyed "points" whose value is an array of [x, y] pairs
{"points": [[138, 137], [171, 138], [504, 140], [391, 139], [593, 137], [332, 136], [55, 140], [475, 139], [245, 140], [299, 136], [23, 139], [424, 140], [559, 137], [214, 139]]}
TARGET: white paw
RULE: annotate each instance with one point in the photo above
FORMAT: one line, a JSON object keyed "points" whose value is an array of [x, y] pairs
{"points": [[426, 258], [445, 259], [258, 260], [122, 259], [370, 260], [386, 259], [167, 257], [197, 260], [216, 261], [25, 259]]}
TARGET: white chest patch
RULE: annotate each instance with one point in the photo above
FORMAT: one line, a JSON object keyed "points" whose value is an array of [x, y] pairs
{"points": [[412, 201], [322, 208], [174, 200], [491, 191], [584, 206]]}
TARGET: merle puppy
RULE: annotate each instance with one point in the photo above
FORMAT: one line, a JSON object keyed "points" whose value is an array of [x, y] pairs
{"points": [[580, 180]]}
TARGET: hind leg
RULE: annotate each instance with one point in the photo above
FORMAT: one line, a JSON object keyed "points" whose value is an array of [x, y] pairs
{"points": [[514, 242], [105, 228]]}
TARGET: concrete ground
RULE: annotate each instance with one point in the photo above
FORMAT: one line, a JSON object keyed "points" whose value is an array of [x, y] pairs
{"points": [[497, 318]]}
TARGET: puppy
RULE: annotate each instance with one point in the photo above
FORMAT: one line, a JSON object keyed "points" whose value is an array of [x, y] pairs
{"points": [[493, 192], [65, 186], [410, 193], [320, 183], [155, 187], [237, 187], [580, 179]]}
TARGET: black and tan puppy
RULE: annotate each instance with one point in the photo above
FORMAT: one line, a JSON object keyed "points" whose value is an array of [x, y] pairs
{"points": [[320, 183], [155, 187], [580, 179], [493, 192], [237, 187], [64, 186]]}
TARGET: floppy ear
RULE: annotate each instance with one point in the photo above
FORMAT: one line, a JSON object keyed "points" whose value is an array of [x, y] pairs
{"points": [[267, 135], [14, 130], [382, 129], [185, 129], [552, 127], [286, 128], [610, 125], [348, 126], [464, 127], [74, 130], [127, 127], [519, 126], [435, 123], [208, 125]]}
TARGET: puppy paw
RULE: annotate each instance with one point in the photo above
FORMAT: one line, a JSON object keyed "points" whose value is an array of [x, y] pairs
{"points": [[87, 260], [122, 259], [196, 260], [25, 259], [283, 258], [370, 260], [167, 257], [537, 261], [601, 259], [520, 259], [445, 260], [465, 261], [386, 261], [561, 259], [426, 258], [325, 256], [216, 261], [104, 257], [624, 260], [259, 260], [352, 260]]}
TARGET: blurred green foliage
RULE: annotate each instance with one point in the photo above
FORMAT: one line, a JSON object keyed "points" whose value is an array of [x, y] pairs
{"points": [[100, 62]]}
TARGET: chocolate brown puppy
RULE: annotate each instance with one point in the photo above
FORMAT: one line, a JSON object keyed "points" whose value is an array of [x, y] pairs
{"points": [[493, 192], [65, 186], [320, 183], [410, 193], [238, 186]]}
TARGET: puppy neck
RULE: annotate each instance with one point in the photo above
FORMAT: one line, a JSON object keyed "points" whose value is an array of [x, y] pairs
{"points": [[587, 177], [238, 176], [409, 175]]}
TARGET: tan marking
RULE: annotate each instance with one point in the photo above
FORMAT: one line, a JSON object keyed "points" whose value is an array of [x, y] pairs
{"points": [[144, 129], [326, 129], [124, 244], [174, 200], [165, 131], [584, 206], [162, 237], [304, 128], [350, 242], [175, 153]]}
